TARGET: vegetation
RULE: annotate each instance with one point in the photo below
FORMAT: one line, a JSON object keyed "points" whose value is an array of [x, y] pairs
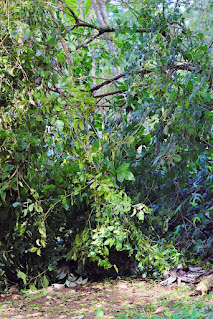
{"points": [[105, 138]]}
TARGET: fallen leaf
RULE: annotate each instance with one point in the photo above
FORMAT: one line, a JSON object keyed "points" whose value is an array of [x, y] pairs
{"points": [[70, 284], [71, 278], [81, 281], [160, 309], [58, 286]]}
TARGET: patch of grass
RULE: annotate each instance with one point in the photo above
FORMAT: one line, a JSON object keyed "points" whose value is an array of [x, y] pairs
{"points": [[178, 304], [149, 308]]}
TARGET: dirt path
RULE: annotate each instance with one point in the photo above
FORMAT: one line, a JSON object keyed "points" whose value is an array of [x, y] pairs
{"points": [[116, 299]]}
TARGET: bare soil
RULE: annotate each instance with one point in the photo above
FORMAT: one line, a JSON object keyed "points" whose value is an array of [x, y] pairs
{"points": [[105, 300]]}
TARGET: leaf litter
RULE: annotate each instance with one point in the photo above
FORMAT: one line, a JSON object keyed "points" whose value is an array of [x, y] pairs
{"points": [[130, 298]]}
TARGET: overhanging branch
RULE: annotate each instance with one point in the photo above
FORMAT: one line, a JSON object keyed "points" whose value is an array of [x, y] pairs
{"points": [[185, 67], [117, 77]]}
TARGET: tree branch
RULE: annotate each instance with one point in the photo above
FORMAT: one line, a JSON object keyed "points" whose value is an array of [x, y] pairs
{"points": [[92, 26], [90, 40], [186, 67], [62, 40], [71, 11], [119, 105], [109, 93], [117, 77]]}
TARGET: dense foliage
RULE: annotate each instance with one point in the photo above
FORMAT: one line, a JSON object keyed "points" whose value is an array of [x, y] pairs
{"points": [[105, 138]]}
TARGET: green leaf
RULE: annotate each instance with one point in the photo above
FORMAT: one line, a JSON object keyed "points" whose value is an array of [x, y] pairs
{"points": [[36, 195], [33, 249], [16, 204], [50, 268], [112, 241], [39, 118], [81, 125], [32, 287], [23, 276], [58, 108], [25, 212], [177, 158], [42, 231], [106, 250], [45, 281], [38, 208], [31, 206], [201, 35], [125, 176], [118, 246], [3, 195], [196, 219], [121, 177], [107, 241], [123, 167], [140, 215], [50, 186], [27, 32], [116, 268], [129, 176], [65, 205], [134, 27], [75, 125], [38, 242]]}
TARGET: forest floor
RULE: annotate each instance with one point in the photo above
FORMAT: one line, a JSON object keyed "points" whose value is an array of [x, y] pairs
{"points": [[130, 298]]}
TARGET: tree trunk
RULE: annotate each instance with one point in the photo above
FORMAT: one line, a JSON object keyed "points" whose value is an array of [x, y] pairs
{"points": [[93, 62], [99, 8]]}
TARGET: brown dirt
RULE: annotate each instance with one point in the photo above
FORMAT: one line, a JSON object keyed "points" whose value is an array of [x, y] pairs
{"points": [[84, 301]]}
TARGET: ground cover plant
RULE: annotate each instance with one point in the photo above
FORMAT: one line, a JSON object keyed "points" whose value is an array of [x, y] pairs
{"points": [[105, 139]]}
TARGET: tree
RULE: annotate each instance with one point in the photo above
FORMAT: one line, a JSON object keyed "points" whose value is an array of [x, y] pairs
{"points": [[91, 172], [199, 17]]}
